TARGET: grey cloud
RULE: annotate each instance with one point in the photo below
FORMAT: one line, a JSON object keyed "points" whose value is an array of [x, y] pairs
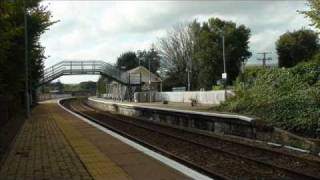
{"points": [[104, 29]]}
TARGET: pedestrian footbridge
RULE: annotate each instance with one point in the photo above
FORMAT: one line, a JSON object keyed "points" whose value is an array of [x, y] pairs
{"points": [[95, 67]]}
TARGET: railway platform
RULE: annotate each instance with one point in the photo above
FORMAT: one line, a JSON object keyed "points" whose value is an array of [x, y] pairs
{"points": [[54, 144], [169, 106]]}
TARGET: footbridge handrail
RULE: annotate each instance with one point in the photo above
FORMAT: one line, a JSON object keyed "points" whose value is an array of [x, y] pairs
{"points": [[94, 67]]}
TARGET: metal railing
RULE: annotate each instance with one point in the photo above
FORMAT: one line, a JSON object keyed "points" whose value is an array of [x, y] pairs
{"points": [[89, 67]]}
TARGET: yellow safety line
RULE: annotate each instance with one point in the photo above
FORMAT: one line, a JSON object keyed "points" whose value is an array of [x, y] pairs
{"points": [[98, 165]]}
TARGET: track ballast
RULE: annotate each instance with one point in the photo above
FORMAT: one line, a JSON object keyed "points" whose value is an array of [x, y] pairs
{"points": [[215, 157]]}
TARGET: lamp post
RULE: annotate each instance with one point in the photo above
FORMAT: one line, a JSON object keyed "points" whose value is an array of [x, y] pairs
{"points": [[149, 80], [123, 69], [243, 73], [139, 58], [224, 74], [188, 73], [189, 70], [26, 61]]}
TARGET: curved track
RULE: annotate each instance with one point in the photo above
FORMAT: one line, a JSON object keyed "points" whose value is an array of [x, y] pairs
{"points": [[215, 157]]}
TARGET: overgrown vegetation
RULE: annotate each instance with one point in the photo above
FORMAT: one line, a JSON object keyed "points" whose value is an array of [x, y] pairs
{"points": [[12, 47], [297, 46], [12, 61], [287, 98]]}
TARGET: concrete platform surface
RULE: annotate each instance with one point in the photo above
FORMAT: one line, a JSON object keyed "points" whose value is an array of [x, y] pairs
{"points": [[174, 107], [53, 144], [170, 105]]}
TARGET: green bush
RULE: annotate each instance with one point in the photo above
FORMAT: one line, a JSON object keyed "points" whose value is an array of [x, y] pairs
{"points": [[217, 87], [287, 98]]}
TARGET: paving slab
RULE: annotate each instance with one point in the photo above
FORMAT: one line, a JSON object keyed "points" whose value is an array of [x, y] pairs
{"points": [[41, 151], [136, 164], [54, 144]]}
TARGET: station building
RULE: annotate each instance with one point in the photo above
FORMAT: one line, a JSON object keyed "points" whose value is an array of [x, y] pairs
{"points": [[148, 82]]}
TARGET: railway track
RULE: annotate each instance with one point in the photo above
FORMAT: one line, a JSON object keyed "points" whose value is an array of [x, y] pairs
{"points": [[215, 157]]}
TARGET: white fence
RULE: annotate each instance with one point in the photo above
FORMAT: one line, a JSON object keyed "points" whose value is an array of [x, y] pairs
{"points": [[202, 97]]}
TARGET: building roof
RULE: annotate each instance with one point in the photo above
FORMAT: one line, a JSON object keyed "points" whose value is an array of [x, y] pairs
{"points": [[144, 74]]}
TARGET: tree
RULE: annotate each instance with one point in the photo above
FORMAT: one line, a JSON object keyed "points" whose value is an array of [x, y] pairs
{"points": [[208, 50], [151, 56], [57, 86], [101, 85], [128, 60], [176, 55], [294, 47], [12, 60], [313, 13], [88, 86], [131, 60], [198, 47], [53, 86]]}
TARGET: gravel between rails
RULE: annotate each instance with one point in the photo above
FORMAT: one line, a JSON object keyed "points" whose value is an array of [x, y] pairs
{"points": [[218, 156]]}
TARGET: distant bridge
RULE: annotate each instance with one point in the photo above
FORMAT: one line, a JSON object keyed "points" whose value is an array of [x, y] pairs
{"points": [[89, 67]]}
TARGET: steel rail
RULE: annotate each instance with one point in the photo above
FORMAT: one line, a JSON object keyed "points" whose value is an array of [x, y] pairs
{"points": [[200, 144]]}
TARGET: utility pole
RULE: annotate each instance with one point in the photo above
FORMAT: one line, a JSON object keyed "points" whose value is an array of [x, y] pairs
{"points": [[26, 61], [264, 58]]}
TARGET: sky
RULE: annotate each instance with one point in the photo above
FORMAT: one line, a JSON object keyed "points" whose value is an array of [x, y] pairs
{"points": [[102, 30]]}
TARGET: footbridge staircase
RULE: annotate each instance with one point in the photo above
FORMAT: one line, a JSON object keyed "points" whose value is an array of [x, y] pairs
{"points": [[95, 67]]}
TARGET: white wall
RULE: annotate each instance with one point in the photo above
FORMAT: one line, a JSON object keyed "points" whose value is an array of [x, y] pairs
{"points": [[203, 97]]}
